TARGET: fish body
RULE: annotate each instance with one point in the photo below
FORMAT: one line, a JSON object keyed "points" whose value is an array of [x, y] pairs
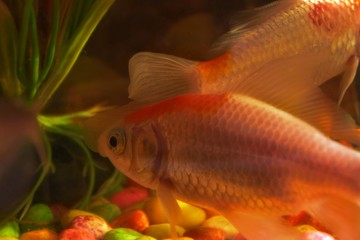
{"points": [[241, 157], [280, 55], [323, 32], [320, 36]]}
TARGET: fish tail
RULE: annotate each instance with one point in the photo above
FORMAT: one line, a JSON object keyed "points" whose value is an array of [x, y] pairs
{"points": [[155, 76]]}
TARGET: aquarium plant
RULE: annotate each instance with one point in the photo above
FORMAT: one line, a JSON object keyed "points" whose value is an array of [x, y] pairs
{"points": [[39, 43]]}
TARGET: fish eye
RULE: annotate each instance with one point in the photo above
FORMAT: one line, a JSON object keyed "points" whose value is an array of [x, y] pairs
{"points": [[117, 141]]}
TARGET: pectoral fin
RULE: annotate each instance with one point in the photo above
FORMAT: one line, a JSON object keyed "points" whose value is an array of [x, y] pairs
{"points": [[285, 75], [348, 76], [260, 227], [340, 216], [324, 114], [170, 205], [291, 85]]}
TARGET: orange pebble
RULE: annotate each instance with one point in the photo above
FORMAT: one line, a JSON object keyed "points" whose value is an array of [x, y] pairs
{"points": [[136, 220], [76, 234], [239, 237], [40, 234], [204, 233], [129, 196], [346, 144]]}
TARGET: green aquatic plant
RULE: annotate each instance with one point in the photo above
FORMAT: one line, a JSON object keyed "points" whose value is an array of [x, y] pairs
{"points": [[39, 44]]}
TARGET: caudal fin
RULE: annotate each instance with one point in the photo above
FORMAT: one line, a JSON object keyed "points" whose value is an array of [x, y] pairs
{"points": [[155, 77]]}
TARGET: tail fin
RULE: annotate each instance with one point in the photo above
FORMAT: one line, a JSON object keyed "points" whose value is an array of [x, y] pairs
{"points": [[156, 76]]}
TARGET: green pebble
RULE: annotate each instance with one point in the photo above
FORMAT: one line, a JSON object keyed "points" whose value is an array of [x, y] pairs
{"points": [[39, 216], [107, 211], [9, 229], [143, 238], [122, 234]]}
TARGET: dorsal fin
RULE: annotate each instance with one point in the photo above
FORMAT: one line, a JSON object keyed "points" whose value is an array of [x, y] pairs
{"points": [[247, 20]]}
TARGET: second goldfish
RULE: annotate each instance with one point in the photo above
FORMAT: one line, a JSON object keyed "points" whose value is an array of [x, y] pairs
{"points": [[241, 157]]}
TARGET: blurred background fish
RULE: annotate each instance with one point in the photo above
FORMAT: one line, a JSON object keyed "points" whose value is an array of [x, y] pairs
{"points": [[238, 156], [21, 154]]}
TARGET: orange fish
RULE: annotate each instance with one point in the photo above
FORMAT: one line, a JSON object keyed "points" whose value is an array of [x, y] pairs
{"points": [[236, 155], [286, 48]]}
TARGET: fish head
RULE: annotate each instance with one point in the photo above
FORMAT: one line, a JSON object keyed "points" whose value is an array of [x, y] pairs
{"points": [[134, 150]]}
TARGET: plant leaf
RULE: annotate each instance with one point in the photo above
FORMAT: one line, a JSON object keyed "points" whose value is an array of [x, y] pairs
{"points": [[9, 82], [72, 50]]}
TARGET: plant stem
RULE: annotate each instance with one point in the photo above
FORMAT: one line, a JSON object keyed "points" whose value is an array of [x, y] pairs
{"points": [[91, 166], [35, 53], [23, 42]]}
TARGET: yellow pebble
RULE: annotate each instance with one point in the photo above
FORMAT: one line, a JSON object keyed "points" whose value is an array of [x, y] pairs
{"points": [[222, 223], [180, 238], [191, 216], [146, 238], [71, 214], [98, 201], [305, 228], [160, 231]]}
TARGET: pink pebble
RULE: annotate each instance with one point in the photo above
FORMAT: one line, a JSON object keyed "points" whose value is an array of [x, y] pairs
{"points": [[91, 223], [76, 234], [129, 196], [314, 235]]}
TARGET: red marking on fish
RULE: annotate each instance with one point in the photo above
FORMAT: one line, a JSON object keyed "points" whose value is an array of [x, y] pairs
{"points": [[180, 103], [322, 15], [209, 70]]}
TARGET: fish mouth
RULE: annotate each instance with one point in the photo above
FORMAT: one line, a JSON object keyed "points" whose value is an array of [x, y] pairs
{"points": [[102, 146]]}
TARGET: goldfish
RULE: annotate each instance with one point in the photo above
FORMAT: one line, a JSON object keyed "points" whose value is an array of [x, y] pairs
{"points": [[291, 45], [238, 156]]}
